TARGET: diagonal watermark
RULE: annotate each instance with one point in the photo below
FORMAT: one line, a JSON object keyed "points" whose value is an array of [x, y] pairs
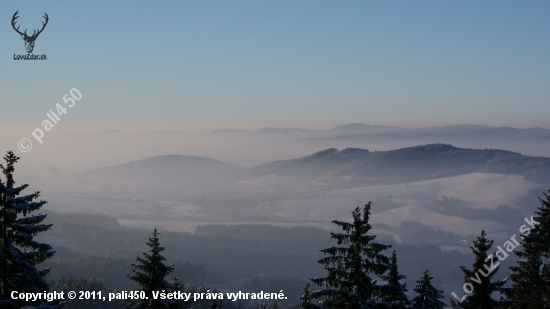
{"points": [[501, 254], [25, 144]]}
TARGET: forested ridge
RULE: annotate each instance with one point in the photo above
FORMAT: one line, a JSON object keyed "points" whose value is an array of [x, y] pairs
{"points": [[409, 164]]}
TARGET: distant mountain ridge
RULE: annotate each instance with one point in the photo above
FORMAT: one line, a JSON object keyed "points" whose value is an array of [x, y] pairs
{"points": [[361, 128], [464, 132], [227, 131], [332, 168], [442, 160], [352, 167]]}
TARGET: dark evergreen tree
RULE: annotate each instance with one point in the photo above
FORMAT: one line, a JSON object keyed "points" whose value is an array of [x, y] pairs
{"points": [[480, 278], [306, 299], [176, 303], [394, 292], [19, 252], [428, 296], [531, 276], [351, 266], [150, 274]]}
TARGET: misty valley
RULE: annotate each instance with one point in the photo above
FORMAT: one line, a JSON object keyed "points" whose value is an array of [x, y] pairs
{"points": [[226, 227]]}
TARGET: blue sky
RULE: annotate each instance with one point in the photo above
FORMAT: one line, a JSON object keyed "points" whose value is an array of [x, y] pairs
{"points": [[201, 65]]}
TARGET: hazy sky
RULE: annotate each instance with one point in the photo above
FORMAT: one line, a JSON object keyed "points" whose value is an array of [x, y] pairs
{"points": [[202, 65]]}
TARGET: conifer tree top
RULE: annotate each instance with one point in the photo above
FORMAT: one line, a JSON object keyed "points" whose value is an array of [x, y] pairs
{"points": [[530, 277], [479, 277], [351, 265], [20, 253], [394, 292], [150, 273], [428, 295]]}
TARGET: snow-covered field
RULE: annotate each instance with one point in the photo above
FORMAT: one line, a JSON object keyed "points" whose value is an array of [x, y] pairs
{"points": [[406, 203], [394, 217], [477, 190]]}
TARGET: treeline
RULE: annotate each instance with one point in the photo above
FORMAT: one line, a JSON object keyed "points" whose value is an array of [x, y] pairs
{"points": [[221, 249], [510, 216], [112, 271]]}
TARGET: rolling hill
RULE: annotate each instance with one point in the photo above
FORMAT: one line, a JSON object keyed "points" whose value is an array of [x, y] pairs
{"points": [[353, 167], [327, 169], [184, 173]]}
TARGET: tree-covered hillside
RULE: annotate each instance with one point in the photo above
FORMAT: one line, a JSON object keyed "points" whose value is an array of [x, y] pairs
{"points": [[354, 167], [442, 160]]}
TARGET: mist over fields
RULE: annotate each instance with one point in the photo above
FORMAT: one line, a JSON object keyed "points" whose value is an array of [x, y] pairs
{"points": [[243, 222]]}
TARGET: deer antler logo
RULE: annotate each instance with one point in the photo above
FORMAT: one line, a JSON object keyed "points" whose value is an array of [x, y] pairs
{"points": [[29, 40]]}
